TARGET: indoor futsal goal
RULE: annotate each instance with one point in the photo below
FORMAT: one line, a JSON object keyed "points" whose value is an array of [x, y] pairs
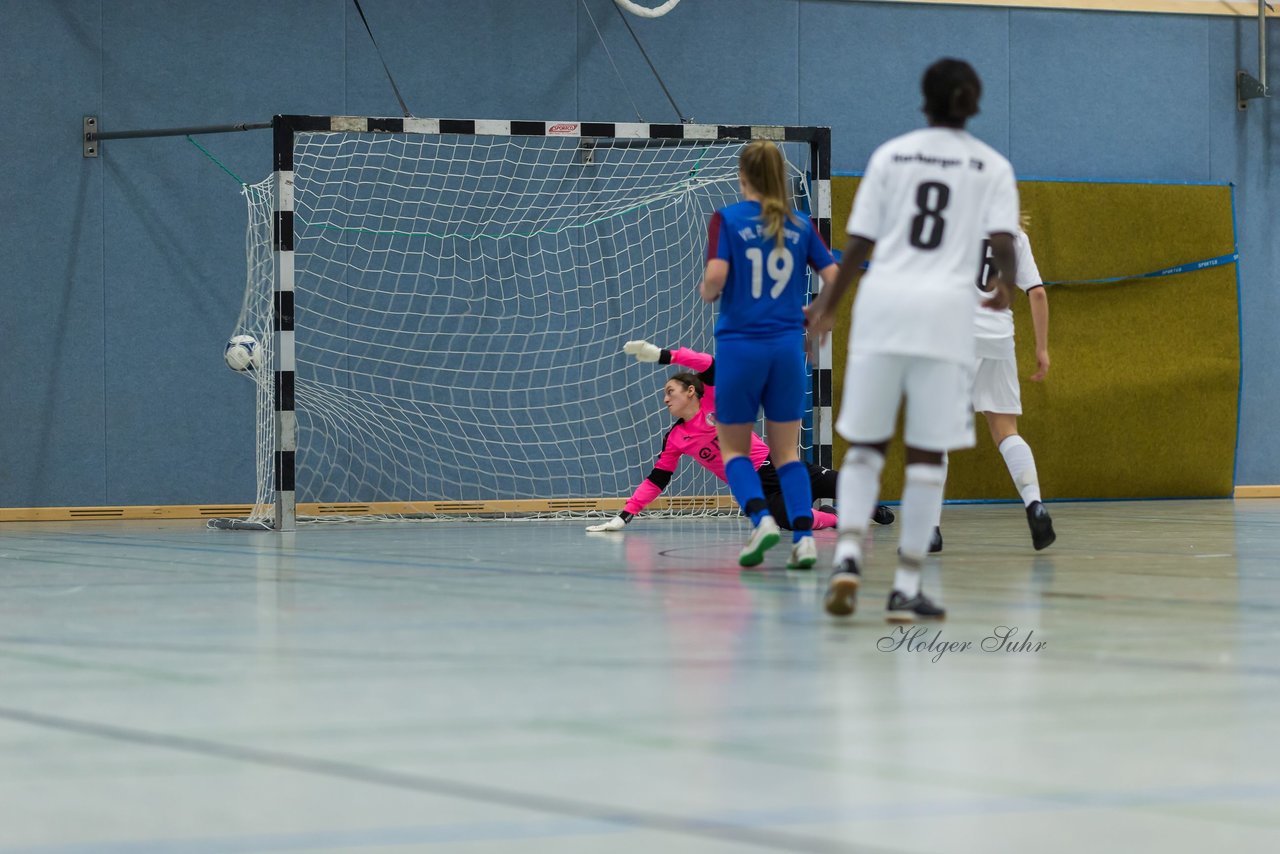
{"points": [[441, 307]]}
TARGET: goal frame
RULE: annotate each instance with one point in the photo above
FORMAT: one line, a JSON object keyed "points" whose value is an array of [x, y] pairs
{"points": [[286, 127]]}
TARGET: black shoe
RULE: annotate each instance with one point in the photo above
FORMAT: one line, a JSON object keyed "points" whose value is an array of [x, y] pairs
{"points": [[842, 590], [914, 610], [882, 515], [935, 542], [1042, 535]]}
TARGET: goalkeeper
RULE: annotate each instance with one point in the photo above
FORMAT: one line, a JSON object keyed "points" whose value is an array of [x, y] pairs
{"points": [[690, 397]]}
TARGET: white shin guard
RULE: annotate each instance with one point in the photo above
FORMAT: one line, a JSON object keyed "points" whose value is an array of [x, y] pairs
{"points": [[857, 490], [1022, 467]]}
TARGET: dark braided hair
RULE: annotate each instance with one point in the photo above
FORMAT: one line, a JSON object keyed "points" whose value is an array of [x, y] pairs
{"points": [[951, 92]]}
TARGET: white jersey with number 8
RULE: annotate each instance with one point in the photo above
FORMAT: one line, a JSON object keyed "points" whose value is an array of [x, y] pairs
{"points": [[928, 199]]}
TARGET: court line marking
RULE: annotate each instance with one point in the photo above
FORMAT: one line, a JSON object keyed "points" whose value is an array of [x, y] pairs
{"points": [[704, 828]]}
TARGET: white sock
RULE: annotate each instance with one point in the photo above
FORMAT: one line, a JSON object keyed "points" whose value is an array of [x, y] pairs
{"points": [[1022, 467], [937, 519], [857, 489], [921, 500], [907, 581]]}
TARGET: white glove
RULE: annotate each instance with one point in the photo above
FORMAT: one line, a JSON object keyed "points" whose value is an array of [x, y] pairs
{"points": [[642, 350], [617, 523]]}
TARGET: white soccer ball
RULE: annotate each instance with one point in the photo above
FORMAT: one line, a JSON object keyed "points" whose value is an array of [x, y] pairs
{"points": [[242, 353]]}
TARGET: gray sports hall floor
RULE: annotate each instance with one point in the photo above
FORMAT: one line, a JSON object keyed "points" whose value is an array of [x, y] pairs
{"points": [[525, 687]]}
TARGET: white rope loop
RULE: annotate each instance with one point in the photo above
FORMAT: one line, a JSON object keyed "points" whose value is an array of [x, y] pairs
{"points": [[646, 12]]}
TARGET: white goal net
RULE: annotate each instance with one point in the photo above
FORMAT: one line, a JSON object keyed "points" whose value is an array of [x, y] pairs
{"points": [[460, 307]]}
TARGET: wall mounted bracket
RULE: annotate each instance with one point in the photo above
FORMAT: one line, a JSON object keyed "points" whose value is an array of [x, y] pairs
{"points": [[1247, 86], [90, 138]]}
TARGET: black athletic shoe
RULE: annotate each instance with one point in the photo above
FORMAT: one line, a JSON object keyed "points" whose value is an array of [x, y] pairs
{"points": [[935, 542], [917, 609], [1042, 535], [882, 515], [842, 590]]}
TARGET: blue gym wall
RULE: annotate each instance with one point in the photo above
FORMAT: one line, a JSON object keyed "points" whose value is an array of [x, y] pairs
{"points": [[122, 275]]}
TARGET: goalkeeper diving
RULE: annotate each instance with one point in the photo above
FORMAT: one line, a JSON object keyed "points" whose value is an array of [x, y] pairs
{"points": [[690, 397]]}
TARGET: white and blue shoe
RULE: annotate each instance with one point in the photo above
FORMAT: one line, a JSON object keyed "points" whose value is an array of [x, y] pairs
{"points": [[804, 554], [764, 537]]}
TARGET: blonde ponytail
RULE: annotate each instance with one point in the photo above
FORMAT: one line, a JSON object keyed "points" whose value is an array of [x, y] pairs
{"points": [[761, 165]]}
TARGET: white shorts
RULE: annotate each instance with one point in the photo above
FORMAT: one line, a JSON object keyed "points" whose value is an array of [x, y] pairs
{"points": [[995, 387], [938, 418]]}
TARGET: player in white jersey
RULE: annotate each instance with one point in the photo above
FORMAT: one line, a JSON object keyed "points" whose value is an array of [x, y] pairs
{"points": [[996, 393], [926, 202]]}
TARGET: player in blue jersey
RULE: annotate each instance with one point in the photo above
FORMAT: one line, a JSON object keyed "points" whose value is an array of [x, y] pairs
{"points": [[758, 254]]}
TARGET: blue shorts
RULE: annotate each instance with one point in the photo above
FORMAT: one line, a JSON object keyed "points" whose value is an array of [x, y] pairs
{"points": [[768, 372]]}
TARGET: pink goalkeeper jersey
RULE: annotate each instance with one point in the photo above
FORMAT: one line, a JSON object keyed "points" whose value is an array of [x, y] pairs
{"points": [[694, 437]]}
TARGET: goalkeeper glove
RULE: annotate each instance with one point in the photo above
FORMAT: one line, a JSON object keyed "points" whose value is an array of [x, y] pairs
{"points": [[617, 523], [642, 350]]}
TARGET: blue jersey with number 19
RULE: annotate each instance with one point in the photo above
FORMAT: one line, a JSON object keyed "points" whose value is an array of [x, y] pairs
{"points": [[767, 287]]}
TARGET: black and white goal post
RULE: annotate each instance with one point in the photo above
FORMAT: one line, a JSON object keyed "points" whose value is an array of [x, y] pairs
{"points": [[442, 305], [284, 375]]}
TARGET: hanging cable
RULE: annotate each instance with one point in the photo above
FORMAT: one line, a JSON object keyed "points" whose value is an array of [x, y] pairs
{"points": [[643, 53], [600, 36], [394, 88]]}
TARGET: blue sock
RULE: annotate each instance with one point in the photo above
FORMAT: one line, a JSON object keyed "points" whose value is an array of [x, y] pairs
{"points": [[797, 494], [744, 483]]}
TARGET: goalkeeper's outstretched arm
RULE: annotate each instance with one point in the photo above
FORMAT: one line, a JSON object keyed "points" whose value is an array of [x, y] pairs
{"points": [[651, 487], [703, 363]]}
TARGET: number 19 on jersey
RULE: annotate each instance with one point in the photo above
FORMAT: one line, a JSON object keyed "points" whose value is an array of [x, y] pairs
{"points": [[779, 265]]}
